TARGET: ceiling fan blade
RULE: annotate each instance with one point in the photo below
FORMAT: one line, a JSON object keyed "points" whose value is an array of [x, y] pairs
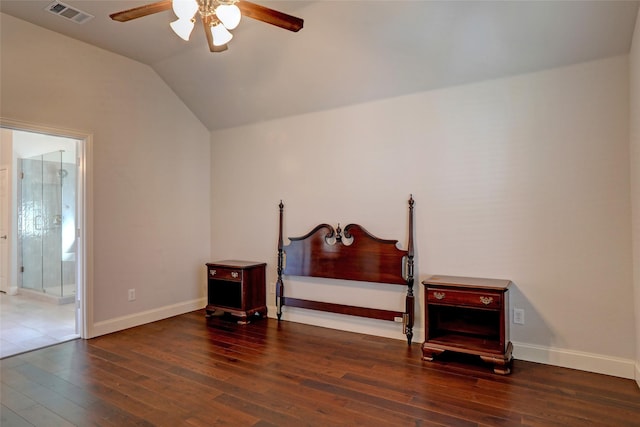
{"points": [[270, 16], [139, 12], [207, 32]]}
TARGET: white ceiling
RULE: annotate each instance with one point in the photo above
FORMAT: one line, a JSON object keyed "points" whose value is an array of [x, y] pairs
{"points": [[349, 51]]}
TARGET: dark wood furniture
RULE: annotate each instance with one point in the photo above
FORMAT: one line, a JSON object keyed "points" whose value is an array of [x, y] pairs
{"points": [[236, 287], [468, 315], [355, 255]]}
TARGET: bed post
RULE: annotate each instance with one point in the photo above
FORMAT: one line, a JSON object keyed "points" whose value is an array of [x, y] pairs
{"points": [[410, 298], [279, 284]]}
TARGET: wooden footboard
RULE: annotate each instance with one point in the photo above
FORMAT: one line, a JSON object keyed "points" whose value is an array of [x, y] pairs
{"points": [[356, 255]]}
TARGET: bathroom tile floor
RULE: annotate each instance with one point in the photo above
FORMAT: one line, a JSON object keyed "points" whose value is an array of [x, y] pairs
{"points": [[27, 323]]}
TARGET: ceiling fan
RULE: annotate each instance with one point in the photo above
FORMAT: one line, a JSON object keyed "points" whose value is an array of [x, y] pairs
{"points": [[217, 16]]}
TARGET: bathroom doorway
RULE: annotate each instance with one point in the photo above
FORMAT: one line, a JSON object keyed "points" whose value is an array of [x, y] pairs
{"points": [[42, 299]]}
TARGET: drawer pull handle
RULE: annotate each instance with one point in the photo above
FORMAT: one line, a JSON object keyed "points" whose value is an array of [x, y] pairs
{"points": [[439, 295], [486, 300], [234, 274], [213, 272]]}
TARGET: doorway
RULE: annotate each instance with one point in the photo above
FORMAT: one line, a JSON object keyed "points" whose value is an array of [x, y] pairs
{"points": [[43, 265]]}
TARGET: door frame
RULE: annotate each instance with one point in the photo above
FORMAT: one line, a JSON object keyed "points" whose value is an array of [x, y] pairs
{"points": [[84, 209], [5, 228]]}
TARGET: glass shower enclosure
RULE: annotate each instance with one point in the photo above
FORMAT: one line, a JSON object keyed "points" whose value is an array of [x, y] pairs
{"points": [[46, 225]]}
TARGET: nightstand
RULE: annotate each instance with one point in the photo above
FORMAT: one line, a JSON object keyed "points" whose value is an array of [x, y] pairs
{"points": [[468, 315], [238, 288]]}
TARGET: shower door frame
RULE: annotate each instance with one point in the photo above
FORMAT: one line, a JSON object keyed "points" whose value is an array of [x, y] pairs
{"points": [[84, 215], [46, 219]]}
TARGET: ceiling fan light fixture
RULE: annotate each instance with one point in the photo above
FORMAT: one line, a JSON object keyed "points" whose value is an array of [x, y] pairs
{"points": [[229, 15], [220, 34], [216, 27], [185, 9], [183, 28]]}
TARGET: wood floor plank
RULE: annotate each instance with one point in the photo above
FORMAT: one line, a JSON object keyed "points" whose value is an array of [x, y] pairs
{"points": [[26, 395], [10, 418], [193, 371], [78, 408]]}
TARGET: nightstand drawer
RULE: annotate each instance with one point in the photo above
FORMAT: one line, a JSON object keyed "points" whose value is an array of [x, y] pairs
{"points": [[225, 274], [489, 300]]}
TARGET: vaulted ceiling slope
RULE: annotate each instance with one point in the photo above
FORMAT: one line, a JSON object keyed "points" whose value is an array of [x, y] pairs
{"points": [[349, 52]]}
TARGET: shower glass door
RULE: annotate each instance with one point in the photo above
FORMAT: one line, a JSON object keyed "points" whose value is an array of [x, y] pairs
{"points": [[46, 223]]}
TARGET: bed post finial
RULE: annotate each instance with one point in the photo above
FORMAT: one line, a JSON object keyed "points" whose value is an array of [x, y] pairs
{"points": [[410, 248], [410, 304], [279, 284]]}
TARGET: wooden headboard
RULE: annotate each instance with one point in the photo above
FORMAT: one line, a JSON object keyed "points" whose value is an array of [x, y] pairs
{"points": [[356, 255]]}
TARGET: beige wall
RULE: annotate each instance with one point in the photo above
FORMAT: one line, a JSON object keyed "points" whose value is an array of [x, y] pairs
{"points": [[150, 168], [634, 72], [525, 178]]}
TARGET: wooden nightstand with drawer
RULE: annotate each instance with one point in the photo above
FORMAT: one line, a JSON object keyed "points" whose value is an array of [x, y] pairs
{"points": [[468, 315], [237, 288]]}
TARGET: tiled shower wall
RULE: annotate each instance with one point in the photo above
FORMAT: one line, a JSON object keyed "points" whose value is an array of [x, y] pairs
{"points": [[46, 224]]}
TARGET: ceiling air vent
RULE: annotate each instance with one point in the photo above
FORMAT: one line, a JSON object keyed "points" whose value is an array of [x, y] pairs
{"points": [[68, 12]]}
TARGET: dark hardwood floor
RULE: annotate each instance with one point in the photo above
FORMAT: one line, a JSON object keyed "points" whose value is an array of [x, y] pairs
{"points": [[193, 372]]}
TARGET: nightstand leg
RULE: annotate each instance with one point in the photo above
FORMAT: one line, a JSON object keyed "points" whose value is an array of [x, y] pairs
{"points": [[501, 365], [429, 353]]}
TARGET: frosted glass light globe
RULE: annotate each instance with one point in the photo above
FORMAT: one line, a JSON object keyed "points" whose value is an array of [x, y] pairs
{"points": [[185, 9], [229, 15], [221, 35], [183, 28]]}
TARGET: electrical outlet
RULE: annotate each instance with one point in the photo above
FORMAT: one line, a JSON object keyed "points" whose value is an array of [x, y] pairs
{"points": [[518, 316], [272, 288], [132, 294]]}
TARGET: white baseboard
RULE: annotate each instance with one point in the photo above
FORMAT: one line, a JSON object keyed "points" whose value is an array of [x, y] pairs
{"points": [[137, 319], [360, 325], [590, 362]]}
